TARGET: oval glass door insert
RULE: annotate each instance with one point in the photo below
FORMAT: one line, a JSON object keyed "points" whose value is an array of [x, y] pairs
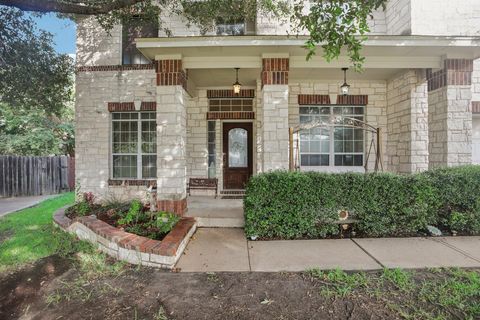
{"points": [[237, 148]]}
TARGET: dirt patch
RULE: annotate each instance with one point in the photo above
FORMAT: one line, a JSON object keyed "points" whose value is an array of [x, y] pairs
{"points": [[144, 293], [5, 235], [154, 294], [22, 287]]}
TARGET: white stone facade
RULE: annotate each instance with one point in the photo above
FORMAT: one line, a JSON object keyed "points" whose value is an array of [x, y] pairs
{"points": [[275, 127], [171, 142], [95, 46], [407, 118], [450, 126], [420, 128], [93, 126]]}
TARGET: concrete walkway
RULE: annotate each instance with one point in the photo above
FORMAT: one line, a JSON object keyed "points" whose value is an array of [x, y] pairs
{"points": [[9, 205], [226, 249]]}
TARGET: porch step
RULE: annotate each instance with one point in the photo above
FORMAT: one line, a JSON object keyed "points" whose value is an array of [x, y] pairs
{"points": [[232, 194], [207, 222], [211, 212]]}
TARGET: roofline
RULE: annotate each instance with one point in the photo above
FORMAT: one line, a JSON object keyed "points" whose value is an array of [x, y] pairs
{"points": [[285, 40]]}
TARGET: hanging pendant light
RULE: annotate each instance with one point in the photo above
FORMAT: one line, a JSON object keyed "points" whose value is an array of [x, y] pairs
{"points": [[237, 86], [345, 86]]}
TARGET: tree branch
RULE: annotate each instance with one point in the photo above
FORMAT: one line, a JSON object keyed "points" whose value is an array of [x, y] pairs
{"points": [[69, 7]]}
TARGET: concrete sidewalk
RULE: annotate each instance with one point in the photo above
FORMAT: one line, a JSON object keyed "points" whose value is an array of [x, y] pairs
{"points": [[226, 249], [9, 205]]}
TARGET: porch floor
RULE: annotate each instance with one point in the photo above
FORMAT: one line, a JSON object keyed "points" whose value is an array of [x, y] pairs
{"points": [[211, 212], [227, 249]]}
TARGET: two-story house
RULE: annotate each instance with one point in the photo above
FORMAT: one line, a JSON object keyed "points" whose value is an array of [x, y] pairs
{"points": [[158, 109]]}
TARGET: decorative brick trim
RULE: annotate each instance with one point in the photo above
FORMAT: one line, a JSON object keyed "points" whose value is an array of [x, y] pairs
{"points": [[169, 66], [356, 100], [275, 64], [177, 206], [227, 115], [475, 106], [313, 99], [455, 72], [275, 71], [128, 246], [244, 93], [148, 106], [126, 67], [172, 79], [171, 73], [132, 182], [130, 106]]}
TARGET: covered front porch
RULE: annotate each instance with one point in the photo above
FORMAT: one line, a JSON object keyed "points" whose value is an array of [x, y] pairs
{"points": [[416, 90]]}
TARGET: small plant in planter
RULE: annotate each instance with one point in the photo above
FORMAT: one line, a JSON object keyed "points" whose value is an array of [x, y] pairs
{"points": [[83, 207]]}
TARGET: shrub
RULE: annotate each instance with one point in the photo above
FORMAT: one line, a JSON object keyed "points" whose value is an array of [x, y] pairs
{"points": [[291, 205], [457, 198]]}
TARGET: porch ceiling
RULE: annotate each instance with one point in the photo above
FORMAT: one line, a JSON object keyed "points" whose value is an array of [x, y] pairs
{"points": [[246, 51], [215, 77], [210, 60]]}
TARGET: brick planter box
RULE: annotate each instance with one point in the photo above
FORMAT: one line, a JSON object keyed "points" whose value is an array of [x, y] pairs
{"points": [[129, 247]]}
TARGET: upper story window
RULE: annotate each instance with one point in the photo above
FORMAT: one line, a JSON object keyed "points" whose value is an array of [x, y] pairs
{"points": [[334, 146], [136, 28], [230, 27]]}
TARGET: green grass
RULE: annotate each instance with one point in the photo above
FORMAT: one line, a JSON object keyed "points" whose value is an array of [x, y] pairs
{"points": [[29, 234], [438, 294]]}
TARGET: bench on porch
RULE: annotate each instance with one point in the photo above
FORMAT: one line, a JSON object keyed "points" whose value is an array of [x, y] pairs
{"points": [[203, 184]]}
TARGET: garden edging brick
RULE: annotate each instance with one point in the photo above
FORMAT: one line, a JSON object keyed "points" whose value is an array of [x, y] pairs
{"points": [[127, 246]]}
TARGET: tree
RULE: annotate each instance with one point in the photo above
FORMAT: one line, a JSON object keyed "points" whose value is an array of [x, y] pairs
{"points": [[332, 24], [32, 74], [36, 90], [34, 133]]}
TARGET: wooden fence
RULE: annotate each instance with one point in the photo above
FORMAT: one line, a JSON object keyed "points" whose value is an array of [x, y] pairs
{"points": [[31, 176]]}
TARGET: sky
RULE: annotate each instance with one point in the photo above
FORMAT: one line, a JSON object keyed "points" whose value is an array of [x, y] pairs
{"points": [[63, 31]]}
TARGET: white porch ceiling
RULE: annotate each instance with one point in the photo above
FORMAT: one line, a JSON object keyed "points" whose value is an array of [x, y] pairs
{"points": [[215, 77], [210, 60]]}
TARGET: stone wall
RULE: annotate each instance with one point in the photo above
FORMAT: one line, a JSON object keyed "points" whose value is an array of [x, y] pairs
{"points": [[448, 18], [95, 46], [171, 142], [275, 127], [93, 91], [450, 126], [398, 17], [197, 152], [407, 117]]}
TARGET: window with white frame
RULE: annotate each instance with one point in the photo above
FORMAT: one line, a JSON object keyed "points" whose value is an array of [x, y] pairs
{"points": [[337, 146], [230, 27], [134, 145]]}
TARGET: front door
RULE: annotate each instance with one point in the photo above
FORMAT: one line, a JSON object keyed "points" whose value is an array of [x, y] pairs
{"points": [[237, 154]]}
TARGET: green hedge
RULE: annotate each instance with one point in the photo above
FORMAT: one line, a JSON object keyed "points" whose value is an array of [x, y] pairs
{"points": [[289, 205]]}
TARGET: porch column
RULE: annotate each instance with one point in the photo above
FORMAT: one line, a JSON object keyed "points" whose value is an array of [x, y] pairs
{"points": [[171, 136], [275, 113], [407, 122], [449, 113]]}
